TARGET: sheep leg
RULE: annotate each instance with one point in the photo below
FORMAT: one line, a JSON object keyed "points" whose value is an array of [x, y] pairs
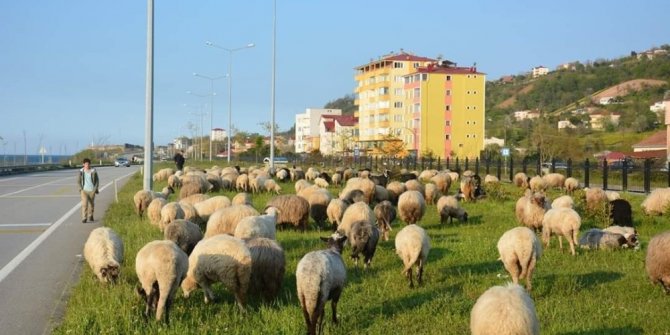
{"points": [[560, 242], [335, 294], [207, 290], [408, 273], [419, 274], [317, 318], [572, 244], [513, 270], [305, 313], [529, 273]]}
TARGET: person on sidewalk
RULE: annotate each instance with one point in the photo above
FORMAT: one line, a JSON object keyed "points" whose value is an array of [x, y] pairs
{"points": [[88, 188]]}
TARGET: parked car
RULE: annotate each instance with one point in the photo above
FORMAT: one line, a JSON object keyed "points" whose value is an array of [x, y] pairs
{"points": [[121, 161]]}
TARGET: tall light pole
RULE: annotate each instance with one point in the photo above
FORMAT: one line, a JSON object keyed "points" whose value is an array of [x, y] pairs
{"points": [[211, 106], [149, 100], [201, 113], [230, 83], [274, 62]]}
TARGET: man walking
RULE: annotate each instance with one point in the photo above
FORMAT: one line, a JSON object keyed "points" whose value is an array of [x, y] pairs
{"points": [[179, 160], [88, 188]]}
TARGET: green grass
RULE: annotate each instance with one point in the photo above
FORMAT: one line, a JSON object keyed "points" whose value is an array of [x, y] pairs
{"points": [[596, 292]]}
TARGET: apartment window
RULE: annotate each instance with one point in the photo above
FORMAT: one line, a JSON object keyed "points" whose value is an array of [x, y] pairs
{"points": [[468, 76], [417, 108], [447, 137], [467, 92], [397, 104], [467, 107], [467, 122], [474, 92], [474, 135], [460, 145], [474, 122], [398, 65], [397, 91], [448, 78], [447, 108], [448, 92], [467, 136], [416, 65], [424, 76], [447, 123], [417, 93]]}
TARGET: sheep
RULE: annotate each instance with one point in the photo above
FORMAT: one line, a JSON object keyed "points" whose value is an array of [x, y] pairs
{"points": [[354, 196], [198, 179], [521, 180], [224, 220], [242, 183], [363, 237], [143, 198], [432, 193], [395, 189], [365, 173], [191, 214], [162, 174], [337, 179], [359, 211], [537, 184], [381, 194], [154, 211], [491, 179], [628, 232], [657, 261], [467, 188], [412, 245], [321, 276], [301, 185], [188, 189], [318, 199], [380, 179], [504, 310], [258, 226], [385, 214], [170, 212], [406, 176], [555, 180], [335, 211], [600, 239], [415, 185], [283, 175], [160, 266], [612, 195], [519, 250], [454, 176], [229, 180], [363, 184], [443, 181], [257, 184], [293, 210], [426, 175], [206, 208], [657, 202], [564, 201], [571, 184], [184, 233], [268, 265], [221, 258], [348, 174], [621, 213], [194, 199], [103, 251], [595, 198], [297, 174], [215, 181], [411, 207], [311, 174], [272, 186], [563, 222], [320, 182], [448, 208], [529, 210], [241, 199], [174, 181]]}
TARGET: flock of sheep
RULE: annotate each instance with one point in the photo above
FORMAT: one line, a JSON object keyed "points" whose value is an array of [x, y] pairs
{"points": [[238, 247]]}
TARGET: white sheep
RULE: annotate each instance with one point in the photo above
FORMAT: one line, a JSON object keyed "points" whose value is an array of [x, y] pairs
{"points": [[241, 199], [432, 193], [103, 251], [271, 185], [415, 185], [154, 211], [224, 220], [596, 198], [143, 198], [160, 266], [411, 207], [600, 239], [426, 175], [321, 276], [443, 181], [320, 182], [564, 201], [657, 261], [268, 265], [519, 250], [335, 211], [657, 202], [170, 212], [365, 185], [564, 222], [537, 184], [184, 233], [258, 226], [521, 180], [555, 180], [301, 185], [206, 208], [491, 179], [219, 258], [174, 181], [529, 210], [412, 245], [395, 189], [571, 184], [449, 208], [504, 310], [194, 199], [293, 210]]}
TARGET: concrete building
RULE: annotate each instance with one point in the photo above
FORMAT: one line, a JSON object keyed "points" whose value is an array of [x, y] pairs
{"points": [[307, 128], [219, 134], [539, 71], [339, 134]]}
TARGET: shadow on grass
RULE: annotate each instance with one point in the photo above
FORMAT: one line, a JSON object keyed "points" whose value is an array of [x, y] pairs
{"points": [[476, 268], [628, 330], [579, 282]]}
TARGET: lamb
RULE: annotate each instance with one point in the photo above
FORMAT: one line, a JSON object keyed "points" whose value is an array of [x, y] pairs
{"points": [[657, 261], [242, 183], [206, 208], [563, 222], [571, 184], [519, 250], [293, 210], [529, 210], [395, 189], [103, 251], [521, 180], [385, 214], [321, 276], [272, 186], [161, 266], [600, 239], [411, 207], [320, 182], [335, 211], [448, 208], [657, 202], [258, 226], [268, 265], [504, 310], [432, 193], [537, 184], [241, 199], [221, 258], [184, 233], [555, 180], [621, 213], [564, 201], [412, 245], [154, 211], [363, 237], [224, 220]]}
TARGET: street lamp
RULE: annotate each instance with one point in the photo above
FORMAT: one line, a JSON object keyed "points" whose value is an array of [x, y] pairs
{"points": [[230, 83], [201, 114], [211, 106]]}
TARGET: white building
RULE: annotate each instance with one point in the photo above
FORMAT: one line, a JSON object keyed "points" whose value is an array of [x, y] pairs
{"points": [[338, 134], [494, 140], [565, 124], [218, 134], [658, 107], [181, 143], [539, 71], [307, 128], [527, 114]]}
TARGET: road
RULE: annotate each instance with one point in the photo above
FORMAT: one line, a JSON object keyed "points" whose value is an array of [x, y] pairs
{"points": [[41, 243]]}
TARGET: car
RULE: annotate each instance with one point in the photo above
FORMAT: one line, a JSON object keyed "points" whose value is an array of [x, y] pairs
{"points": [[121, 161]]}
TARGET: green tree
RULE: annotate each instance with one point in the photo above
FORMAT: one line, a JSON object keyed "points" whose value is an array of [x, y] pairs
{"points": [[345, 103]]}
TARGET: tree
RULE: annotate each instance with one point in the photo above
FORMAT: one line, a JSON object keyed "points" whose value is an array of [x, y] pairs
{"points": [[345, 103], [266, 126], [392, 146]]}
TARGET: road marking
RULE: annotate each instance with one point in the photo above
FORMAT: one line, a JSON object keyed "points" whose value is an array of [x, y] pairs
{"points": [[8, 179], [20, 231], [24, 225], [32, 187], [41, 196]]}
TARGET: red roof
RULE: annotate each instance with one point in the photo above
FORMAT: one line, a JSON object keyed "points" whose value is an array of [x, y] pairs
{"points": [[615, 156], [408, 57], [648, 154], [658, 139], [447, 70], [343, 120], [330, 126]]}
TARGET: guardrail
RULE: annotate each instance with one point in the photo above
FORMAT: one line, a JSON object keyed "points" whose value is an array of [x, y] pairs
{"points": [[17, 169]]}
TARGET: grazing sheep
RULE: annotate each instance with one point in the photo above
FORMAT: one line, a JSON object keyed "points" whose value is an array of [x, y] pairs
{"points": [[426, 175], [571, 184], [521, 180], [363, 237], [406, 176], [555, 180], [301, 185], [537, 184], [359, 211], [224, 220], [415, 185], [174, 181], [412, 245], [320, 182], [348, 174], [258, 226], [385, 214], [595, 198], [143, 198], [206, 208], [162, 174], [363, 184], [337, 179], [600, 239], [160, 266], [519, 250], [191, 214], [411, 207], [432, 193], [504, 310], [257, 184], [354, 196], [443, 181], [268, 265], [194, 199], [242, 183], [491, 179], [293, 210], [612, 195], [103, 251], [335, 211], [241, 199], [297, 174], [215, 181], [454, 176], [467, 188], [395, 189], [563, 222], [184, 233], [272, 186], [657, 262], [320, 276], [170, 212], [449, 208], [219, 258], [657, 202], [564, 201], [628, 232], [381, 194], [154, 211], [318, 199], [529, 210], [380, 179], [188, 189], [621, 213], [283, 175]]}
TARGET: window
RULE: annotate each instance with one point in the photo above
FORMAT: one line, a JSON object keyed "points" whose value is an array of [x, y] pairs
{"points": [[474, 122], [424, 76], [467, 107], [417, 93], [460, 145], [447, 123], [397, 91], [474, 135], [447, 137], [416, 65], [398, 65], [447, 108], [448, 92], [468, 76], [467, 92], [448, 78], [467, 136], [397, 104], [467, 122], [474, 92]]}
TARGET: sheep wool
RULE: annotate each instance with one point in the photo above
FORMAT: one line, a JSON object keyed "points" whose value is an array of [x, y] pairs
{"points": [[363, 237], [411, 207], [359, 211], [657, 261], [521, 180], [293, 210], [103, 251], [335, 211], [449, 208], [385, 214], [170, 212], [154, 211], [206, 208], [571, 184], [564, 201], [412, 245], [184, 233], [258, 226], [519, 250], [600, 239], [564, 222], [504, 310], [224, 220], [243, 198], [657, 202], [529, 210], [142, 199], [268, 265], [395, 189], [161, 266]]}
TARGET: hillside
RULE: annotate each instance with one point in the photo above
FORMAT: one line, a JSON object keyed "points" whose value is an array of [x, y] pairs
{"points": [[627, 88]]}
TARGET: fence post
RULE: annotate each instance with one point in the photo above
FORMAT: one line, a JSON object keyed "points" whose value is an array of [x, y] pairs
{"points": [[624, 175], [605, 169], [553, 165], [439, 163], [476, 165], [538, 166], [488, 165], [668, 172], [415, 158], [448, 168], [586, 173], [524, 165], [511, 168], [430, 163], [467, 164], [458, 166], [499, 168], [647, 175], [568, 171]]}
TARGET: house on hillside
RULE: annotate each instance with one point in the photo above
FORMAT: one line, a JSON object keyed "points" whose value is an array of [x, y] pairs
{"points": [[506, 79], [652, 53], [572, 66], [539, 71], [527, 114], [565, 124], [658, 107], [600, 118], [657, 141]]}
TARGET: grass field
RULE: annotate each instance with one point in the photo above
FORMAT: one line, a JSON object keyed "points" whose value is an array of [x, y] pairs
{"points": [[595, 292]]}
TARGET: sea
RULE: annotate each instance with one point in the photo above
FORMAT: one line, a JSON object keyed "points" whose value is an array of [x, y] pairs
{"points": [[11, 160]]}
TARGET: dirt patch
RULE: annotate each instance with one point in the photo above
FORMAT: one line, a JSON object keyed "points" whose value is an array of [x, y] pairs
{"points": [[627, 87], [511, 100]]}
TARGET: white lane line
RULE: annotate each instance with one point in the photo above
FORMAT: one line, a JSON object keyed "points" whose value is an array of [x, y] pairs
{"points": [[32, 187], [41, 196], [9, 225], [8, 179]]}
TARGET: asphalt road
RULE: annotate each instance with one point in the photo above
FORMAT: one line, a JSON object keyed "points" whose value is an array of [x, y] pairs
{"points": [[41, 243]]}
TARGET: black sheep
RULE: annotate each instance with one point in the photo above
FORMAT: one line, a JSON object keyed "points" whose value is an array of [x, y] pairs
{"points": [[380, 180], [407, 176], [621, 213]]}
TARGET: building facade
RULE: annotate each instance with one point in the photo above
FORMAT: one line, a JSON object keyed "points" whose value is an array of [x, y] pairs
{"points": [[307, 128], [339, 134]]}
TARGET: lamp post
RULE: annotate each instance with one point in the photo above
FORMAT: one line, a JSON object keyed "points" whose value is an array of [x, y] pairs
{"points": [[211, 106], [201, 114], [230, 83]]}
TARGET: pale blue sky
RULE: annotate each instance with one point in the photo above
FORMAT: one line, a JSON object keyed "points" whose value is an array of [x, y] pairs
{"points": [[73, 72]]}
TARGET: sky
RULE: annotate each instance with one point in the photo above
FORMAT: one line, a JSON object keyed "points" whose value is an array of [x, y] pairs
{"points": [[72, 73]]}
